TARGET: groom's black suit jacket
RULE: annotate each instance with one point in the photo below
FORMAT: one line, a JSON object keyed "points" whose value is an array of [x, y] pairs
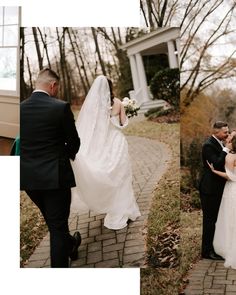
{"points": [[48, 141], [212, 184]]}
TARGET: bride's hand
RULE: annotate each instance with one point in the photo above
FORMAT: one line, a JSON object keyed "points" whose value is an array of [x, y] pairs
{"points": [[211, 166]]}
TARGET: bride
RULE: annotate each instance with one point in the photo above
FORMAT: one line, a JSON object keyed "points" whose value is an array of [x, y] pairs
{"points": [[102, 166], [225, 232]]}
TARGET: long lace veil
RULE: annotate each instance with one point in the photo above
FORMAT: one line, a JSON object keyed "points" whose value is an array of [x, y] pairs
{"points": [[93, 120], [90, 165]]}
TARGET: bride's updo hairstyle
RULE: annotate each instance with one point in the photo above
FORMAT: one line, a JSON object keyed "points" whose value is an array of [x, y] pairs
{"points": [[111, 90]]}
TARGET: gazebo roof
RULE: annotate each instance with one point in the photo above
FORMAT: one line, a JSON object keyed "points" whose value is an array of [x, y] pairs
{"points": [[151, 40]]}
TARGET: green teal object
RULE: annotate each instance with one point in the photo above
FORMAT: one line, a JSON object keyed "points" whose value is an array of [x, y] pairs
{"points": [[15, 149]]}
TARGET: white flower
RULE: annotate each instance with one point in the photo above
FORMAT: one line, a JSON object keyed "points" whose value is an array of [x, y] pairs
{"points": [[125, 101], [130, 106]]}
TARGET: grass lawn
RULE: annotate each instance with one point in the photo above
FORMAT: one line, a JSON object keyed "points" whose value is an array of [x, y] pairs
{"points": [[164, 218], [32, 227], [190, 239]]}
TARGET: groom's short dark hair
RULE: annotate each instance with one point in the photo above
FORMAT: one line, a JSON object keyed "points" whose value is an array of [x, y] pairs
{"points": [[219, 124], [47, 75]]}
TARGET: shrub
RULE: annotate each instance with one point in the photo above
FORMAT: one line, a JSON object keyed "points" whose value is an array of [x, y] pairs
{"points": [[166, 85], [153, 64], [194, 161], [157, 112], [153, 110], [195, 199], [186, 182]]}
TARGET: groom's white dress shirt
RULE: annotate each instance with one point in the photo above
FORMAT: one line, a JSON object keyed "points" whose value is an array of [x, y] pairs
{"points": [[39, 90], [225, 149]]}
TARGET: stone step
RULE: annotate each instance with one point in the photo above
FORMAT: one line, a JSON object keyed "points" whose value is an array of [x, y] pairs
{"points": [[151, 105]]}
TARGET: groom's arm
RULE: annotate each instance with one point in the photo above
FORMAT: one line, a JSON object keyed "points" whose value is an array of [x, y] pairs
{"points": [[72, 139]]}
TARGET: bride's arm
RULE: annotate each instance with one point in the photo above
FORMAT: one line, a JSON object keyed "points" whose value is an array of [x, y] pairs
{"points": [[220, 173], [123, 117]]}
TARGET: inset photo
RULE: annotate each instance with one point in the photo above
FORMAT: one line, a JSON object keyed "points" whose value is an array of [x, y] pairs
{"points": [[99, 147], [9, 79]]}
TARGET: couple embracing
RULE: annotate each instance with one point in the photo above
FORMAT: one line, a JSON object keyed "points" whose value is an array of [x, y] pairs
{"points": [[218, 195], [91, 157]]}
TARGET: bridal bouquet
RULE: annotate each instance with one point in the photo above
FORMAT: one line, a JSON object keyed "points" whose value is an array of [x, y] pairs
{"points": [[131, 107]]}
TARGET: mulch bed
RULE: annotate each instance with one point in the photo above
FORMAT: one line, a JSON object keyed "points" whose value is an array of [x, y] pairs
{"points": [[164, 252]]}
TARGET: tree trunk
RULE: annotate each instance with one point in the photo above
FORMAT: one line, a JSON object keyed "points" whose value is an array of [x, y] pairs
{"points": [[23, 85], [45, 46], [149, 7], [63, 66], [98, 51], [36, 41], [82, 60], [30, 74], [77, 62]]}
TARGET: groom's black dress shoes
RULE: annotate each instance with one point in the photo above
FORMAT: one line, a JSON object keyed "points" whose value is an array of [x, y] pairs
{"points": [[74, 251], [212, 255]]}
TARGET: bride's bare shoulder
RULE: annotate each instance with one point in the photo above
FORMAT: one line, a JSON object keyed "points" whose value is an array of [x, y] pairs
{"points": [[231, 157]]}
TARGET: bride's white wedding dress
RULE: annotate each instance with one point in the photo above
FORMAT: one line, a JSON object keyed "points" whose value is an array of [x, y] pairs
{"points": [[225, 232], [102, 167]]}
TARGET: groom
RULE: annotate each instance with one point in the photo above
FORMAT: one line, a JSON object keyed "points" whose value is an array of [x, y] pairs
{"points": [[211, 185], [48, 141]]}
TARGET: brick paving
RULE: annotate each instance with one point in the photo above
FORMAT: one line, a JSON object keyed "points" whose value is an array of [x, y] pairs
{"points": [[211, 277], [102, 247]]}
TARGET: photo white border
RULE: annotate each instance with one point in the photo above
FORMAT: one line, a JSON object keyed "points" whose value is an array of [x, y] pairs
{"points": [[78, 13], [124, 281]]}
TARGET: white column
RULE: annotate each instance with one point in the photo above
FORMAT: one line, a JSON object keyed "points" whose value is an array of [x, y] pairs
{"points": [[178, 48], [134, 72], [142, 77], [171, 54]]}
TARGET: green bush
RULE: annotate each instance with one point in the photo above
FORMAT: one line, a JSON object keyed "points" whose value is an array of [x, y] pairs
{"points": [[159, 113], [194, 161], [186, 183], [166, 85], [153, 110], [153, 64], [195, 199]]}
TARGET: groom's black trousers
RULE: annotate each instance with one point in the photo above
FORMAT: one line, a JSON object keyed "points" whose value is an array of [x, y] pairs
{"points": [[210, 208], [55, 207]]}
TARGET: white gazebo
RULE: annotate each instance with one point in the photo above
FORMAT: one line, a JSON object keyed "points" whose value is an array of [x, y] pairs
{"points": [[9, 71], [161, 41]]}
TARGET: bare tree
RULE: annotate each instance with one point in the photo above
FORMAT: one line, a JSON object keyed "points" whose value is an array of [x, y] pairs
{"points": [[204, 24], [67, 93], [37, 46], [23, 85], [95, 38], [44, 41], [82, 60], [73, 44], [143, 13], [30, 73], [198, 69], [159, 13]]}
